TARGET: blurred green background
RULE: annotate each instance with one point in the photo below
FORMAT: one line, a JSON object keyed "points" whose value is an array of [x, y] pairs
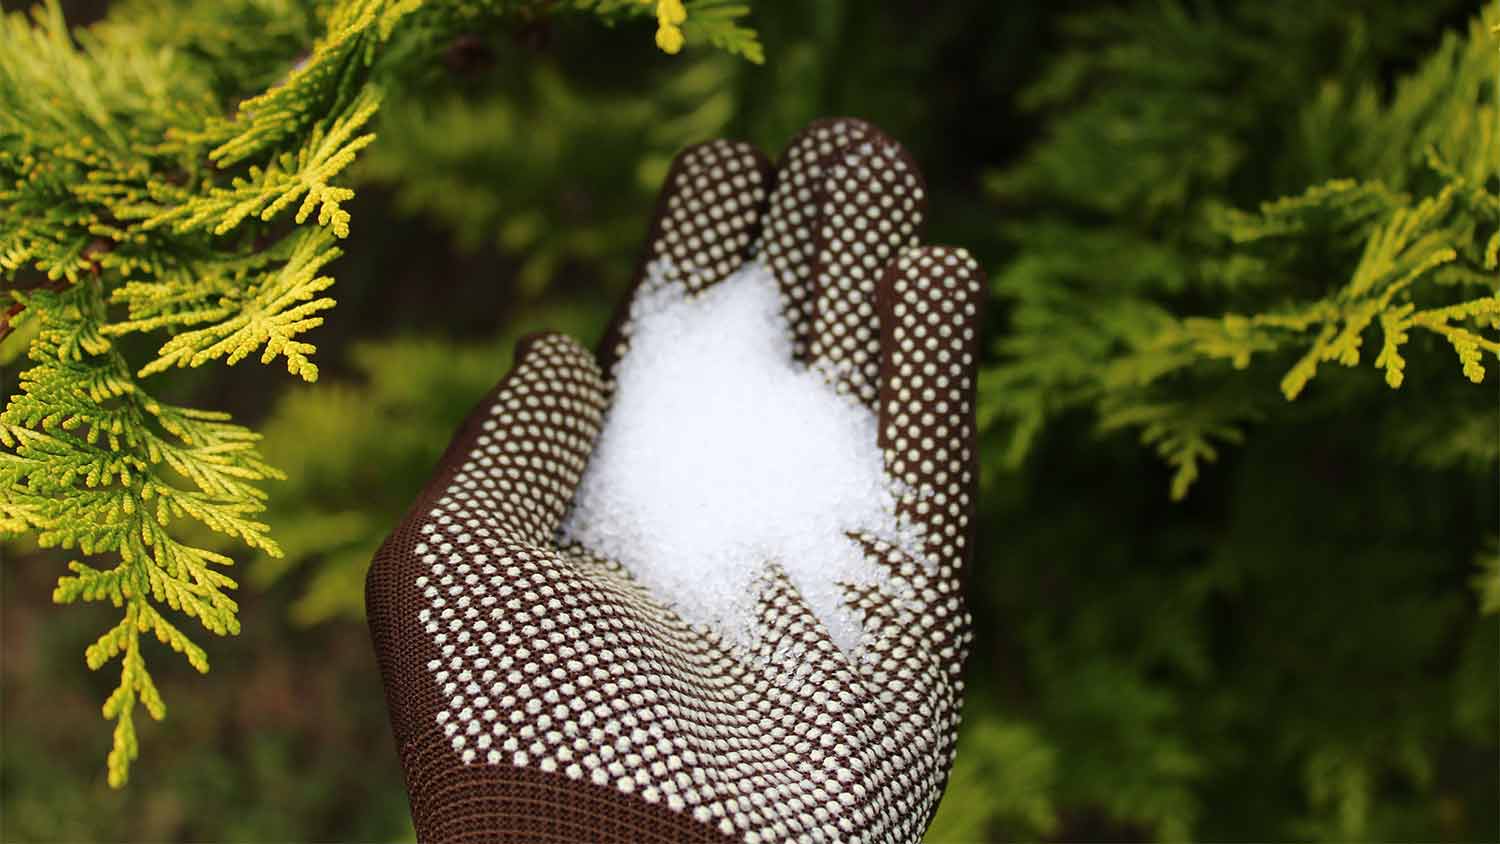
{"points": [[1297, 650]]}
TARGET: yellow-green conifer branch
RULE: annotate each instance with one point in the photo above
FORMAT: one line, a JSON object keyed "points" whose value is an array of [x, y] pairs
{"points": [[148, 196]]}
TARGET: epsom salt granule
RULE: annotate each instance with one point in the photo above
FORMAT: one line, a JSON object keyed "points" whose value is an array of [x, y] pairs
{"points": [[720, 455]]}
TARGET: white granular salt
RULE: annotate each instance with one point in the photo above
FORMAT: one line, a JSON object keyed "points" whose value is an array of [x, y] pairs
{"points": [[720, 454]]}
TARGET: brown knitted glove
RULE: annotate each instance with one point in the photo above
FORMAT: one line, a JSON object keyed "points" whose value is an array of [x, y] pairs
{"points": [[537, 693]]}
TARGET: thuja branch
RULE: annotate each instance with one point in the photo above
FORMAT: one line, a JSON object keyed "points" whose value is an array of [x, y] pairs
{"points": [[153, 196]]}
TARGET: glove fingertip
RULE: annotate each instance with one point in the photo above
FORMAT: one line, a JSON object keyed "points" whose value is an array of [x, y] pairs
{"points": [[562, 350], [704, 226], [930, 305], [871, 204]]}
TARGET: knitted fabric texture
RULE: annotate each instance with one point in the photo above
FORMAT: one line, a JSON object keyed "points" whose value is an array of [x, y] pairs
{"points": [[538, 693]]}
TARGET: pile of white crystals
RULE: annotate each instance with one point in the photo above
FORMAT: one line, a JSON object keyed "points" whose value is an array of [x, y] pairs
{"points": [[720, 454]]}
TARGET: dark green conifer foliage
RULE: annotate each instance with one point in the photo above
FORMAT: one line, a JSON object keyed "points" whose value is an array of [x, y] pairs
{"points": [[1372, 230], [1228, 204]]}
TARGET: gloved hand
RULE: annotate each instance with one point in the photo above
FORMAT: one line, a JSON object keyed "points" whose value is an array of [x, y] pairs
{"points": [[537, 693]]}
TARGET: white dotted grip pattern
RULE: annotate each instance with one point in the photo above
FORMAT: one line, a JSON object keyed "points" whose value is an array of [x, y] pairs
{"points": [[550, 662]]}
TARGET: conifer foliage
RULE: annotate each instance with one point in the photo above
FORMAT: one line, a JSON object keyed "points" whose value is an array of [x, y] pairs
{"points": [[1263, 234], [182, 175], [1384, 245]]}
